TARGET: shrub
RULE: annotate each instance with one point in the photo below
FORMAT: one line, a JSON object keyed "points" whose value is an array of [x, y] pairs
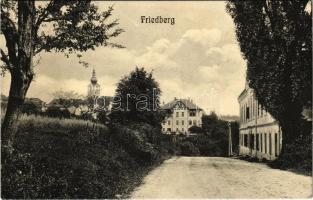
{"points": [[136, 143], [297, 156], [54, 111], [195, 129], [189, 149]]}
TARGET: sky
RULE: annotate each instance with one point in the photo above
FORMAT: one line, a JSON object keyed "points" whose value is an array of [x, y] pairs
{"points": [[198, 57]]}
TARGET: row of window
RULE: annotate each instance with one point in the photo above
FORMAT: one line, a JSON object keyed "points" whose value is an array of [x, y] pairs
{"points": [[191, 122], [250, 110], [248, 140], [177, 130], [191, 114]]}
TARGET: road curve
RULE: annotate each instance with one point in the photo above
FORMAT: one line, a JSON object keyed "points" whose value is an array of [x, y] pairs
{"points": [[216, 177]]}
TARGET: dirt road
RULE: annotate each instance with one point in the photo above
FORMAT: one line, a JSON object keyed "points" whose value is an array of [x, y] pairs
{"points": [[214, 177]]}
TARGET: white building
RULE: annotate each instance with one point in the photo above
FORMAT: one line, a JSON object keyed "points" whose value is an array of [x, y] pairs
{"points": [[183, 114], [259, 133]]}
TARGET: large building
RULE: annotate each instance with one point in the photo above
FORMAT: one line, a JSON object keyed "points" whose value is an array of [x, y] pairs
{"points": [[183, 114], [259, 133]]}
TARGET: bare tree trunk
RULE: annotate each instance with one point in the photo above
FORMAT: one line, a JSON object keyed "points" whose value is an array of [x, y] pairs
{"points": [[17, 94], [21, 73]]}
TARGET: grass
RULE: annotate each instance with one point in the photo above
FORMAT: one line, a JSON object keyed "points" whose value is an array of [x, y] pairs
{"points": [[70, 158], [42, 122]]}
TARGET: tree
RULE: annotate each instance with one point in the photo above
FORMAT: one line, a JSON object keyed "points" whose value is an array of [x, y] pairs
{"points": [[137, 99], [209, 122], [275, 38], [195, 129], [32, 106], [63, 26]]}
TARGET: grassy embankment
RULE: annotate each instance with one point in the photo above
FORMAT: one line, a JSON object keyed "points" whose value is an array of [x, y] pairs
{"points": [[67, 158]]}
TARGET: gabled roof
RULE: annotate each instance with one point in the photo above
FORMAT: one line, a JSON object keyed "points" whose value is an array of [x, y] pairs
{"points": [[188, 103]]}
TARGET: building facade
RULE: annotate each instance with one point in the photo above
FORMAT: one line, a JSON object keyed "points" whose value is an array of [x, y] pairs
{"points": [[259, 133], [183, 114]]}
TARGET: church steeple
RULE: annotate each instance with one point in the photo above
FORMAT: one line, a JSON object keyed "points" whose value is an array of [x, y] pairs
{"points": [[93, 87], [93, 79]]}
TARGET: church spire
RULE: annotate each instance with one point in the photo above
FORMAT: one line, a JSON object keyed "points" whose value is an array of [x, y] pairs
{"points": [[93, 77], [93, 87]]}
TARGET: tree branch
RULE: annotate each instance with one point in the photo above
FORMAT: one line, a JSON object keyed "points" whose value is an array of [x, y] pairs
{"points": [[5, 59], [43, 15], [10, 33]]}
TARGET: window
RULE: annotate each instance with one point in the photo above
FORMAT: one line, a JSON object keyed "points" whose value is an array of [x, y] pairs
{"points": [[252, 141], [192, 113], [169, 122], [261, 134], [190, 122], [265, 143], [182, 129], [257, 142], [182, 114], [276, 144], [270, 141], [163, 129], [242, 137], [194, 122], [177, 130], [247, 113], [177, 114], [245, 140], [177, 122], [182, 122], [169, 129], [240, 114]]}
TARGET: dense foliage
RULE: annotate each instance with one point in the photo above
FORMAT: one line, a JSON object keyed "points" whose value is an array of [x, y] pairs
{"points": [[137, 99], [275, 38], [211, 139], [298, 156]]}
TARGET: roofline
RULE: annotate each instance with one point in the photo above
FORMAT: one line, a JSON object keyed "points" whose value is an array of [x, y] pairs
{"points": [[198, 108], [242, 93]]}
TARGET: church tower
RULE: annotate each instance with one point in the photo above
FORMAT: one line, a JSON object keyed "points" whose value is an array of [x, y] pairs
{"points": [[93, 87]]}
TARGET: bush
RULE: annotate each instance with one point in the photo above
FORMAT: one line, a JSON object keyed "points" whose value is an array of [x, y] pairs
{"points": [[297, 156], [54, 111], [135, 144], [189, 149], [209, 146], [195, 129]]}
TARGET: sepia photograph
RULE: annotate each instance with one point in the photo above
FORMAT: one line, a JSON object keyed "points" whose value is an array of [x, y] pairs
{"points": [[161, 99]]}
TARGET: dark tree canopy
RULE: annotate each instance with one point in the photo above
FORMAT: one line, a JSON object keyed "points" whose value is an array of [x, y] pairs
{"points": [[137, 99], [275, 38]]}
